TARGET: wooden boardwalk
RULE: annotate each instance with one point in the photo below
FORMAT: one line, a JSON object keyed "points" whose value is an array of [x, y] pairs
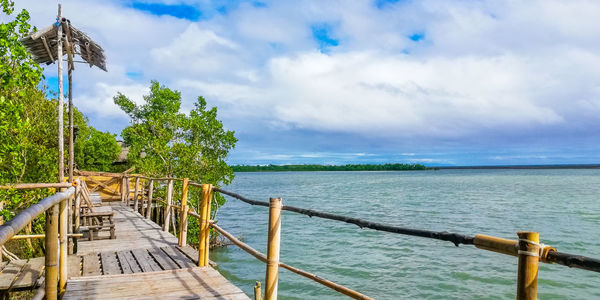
{"points": [[143, 262]]}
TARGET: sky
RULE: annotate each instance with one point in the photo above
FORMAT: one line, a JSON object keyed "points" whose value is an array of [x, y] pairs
{"points": [[436, 82]]}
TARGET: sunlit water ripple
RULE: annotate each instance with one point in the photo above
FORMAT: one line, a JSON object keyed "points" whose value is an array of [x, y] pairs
{"points": [[561, 204]]}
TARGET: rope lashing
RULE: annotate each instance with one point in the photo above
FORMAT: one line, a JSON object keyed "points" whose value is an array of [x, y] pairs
{"points": [[542, 252]]}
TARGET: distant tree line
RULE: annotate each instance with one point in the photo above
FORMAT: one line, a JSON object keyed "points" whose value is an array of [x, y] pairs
{"points": [[349, 167]]}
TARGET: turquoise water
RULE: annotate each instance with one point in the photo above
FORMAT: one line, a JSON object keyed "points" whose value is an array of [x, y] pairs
{"points": [[561, 204]]}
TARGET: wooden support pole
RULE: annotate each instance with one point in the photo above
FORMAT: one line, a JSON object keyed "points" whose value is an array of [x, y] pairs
{"points": [[61, 139], [529, 249], [127, 191], [123, 189], [273, 242], [63, 223], [136, 194], [77, 215], [51, 258], [70, 80], [149, 205], [167, 209], [183, 220], [257, 291], [204, 238]]}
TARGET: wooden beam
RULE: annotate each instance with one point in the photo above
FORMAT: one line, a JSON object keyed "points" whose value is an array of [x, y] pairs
{"points": [[47, 48], [40, 33]]}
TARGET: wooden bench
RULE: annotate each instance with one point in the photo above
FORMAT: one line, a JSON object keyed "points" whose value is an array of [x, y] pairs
{"points": [[94, 217]]}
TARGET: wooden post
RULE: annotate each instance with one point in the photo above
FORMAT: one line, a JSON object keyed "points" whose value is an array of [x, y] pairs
{"points": [[167, 218], [61, 139], [257, 291], [69, 45], [127, 191], [271, 278], [149, 205], [123, 189], [183, 213], [528, 265], [136, 194], [63, 223], [77, 214], [204, 238], [51, 258]]}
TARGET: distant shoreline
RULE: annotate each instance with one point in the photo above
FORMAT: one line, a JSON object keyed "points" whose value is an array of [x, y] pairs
{"points": [[525, 167], [399, 167]]}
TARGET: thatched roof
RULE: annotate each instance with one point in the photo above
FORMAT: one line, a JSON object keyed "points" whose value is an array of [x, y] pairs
{"points": [[42, 45]]}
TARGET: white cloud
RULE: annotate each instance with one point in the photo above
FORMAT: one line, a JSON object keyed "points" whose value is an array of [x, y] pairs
{"points": [[483, 67]]}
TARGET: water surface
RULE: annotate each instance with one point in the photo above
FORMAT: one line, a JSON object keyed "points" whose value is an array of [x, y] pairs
{"points": [[560, 204]]}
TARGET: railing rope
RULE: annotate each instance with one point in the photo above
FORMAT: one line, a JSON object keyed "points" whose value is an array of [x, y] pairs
{"points": [[332, 285], [480, 241]]}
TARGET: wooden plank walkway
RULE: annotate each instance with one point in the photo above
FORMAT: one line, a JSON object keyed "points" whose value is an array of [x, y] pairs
{"points": [[143, 262], [20, 274]]}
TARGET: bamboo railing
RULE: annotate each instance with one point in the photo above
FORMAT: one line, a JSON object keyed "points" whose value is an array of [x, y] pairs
{"points": [[527, 247], [173, 216], [56, 232]]}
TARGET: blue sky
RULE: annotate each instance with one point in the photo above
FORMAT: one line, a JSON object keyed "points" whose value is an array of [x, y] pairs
{"points": [[434, 82]]}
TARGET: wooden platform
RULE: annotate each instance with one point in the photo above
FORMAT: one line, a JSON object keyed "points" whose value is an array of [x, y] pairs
{"points": [[189, 283], [143, 262], [21, 274]]}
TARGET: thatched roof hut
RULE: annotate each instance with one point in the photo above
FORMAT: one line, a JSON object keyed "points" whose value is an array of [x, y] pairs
{"points": [[42, 45]]}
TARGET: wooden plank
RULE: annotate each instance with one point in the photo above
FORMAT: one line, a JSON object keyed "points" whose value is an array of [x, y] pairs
{"points": [[128, 262], [190, 252], [162, 259], [30, 273], [146, 262], [91, 265], [189, 283], [10, 272], [178, 257], [110, 263], [74, 266]]}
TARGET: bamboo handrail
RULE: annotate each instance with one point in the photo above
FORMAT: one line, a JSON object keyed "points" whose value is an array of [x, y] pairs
{"points": [[24, 186], [330, 284], [41, 236], [16, 224]]}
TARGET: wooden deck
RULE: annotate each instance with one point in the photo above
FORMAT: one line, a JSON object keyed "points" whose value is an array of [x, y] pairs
{"points": [[143, 262]]}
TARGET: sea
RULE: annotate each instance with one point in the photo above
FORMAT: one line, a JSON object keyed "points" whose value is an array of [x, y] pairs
{"points": [[563, 205]]}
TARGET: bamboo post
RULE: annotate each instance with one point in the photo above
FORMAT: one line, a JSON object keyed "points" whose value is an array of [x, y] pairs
{"points": [[61, 138], [272, 274], [127, 191], [149, 205], [51, 258], [204, 239], [167, 209], [77, 214], [528, 265], [63, 219], [183, 220], [123, 189], [257, 292], [136, 194]]}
